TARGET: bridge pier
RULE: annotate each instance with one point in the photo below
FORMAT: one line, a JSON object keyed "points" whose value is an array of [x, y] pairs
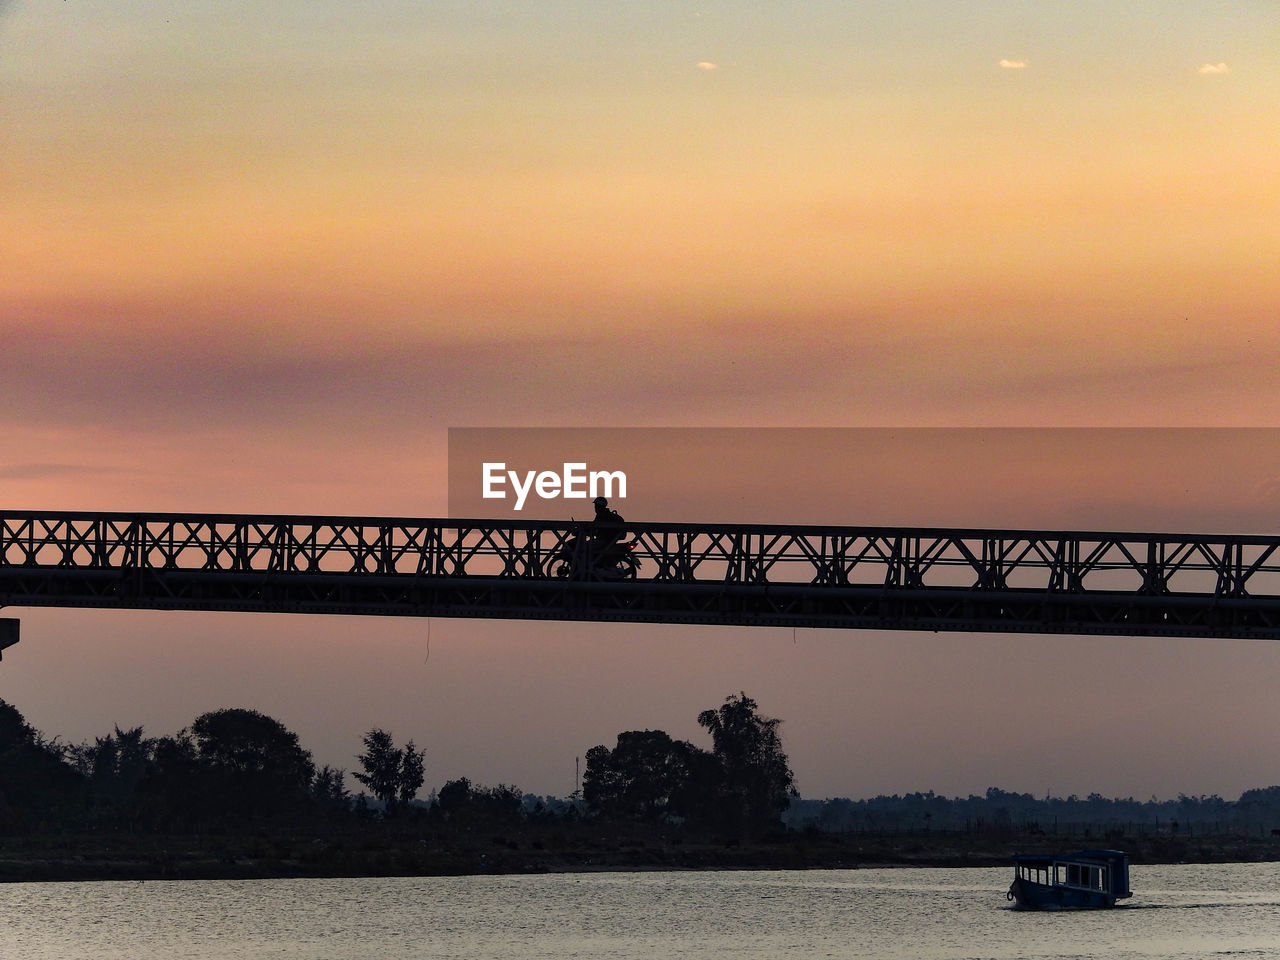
{"points": [[8, 633]]}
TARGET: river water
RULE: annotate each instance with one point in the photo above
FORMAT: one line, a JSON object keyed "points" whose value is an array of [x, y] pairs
{"points": [[1183, 911]]}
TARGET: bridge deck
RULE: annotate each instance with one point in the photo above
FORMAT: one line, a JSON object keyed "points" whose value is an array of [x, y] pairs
{"points": [[809, 576]]}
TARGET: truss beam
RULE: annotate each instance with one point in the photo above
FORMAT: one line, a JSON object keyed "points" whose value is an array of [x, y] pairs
{"points": [[804, 576]]}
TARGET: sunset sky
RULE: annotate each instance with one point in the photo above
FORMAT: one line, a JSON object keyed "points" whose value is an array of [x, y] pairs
{"points": [[260, 257]]}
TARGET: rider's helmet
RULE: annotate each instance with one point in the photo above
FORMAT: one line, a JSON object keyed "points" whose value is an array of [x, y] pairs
{"points": [[600, 502]]}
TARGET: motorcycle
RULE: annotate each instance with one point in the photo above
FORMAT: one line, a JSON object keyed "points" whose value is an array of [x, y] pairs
{"points": [[583, 557]]}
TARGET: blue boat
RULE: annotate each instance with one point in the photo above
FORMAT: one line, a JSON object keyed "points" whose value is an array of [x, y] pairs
{"points": [[1085, 880]]}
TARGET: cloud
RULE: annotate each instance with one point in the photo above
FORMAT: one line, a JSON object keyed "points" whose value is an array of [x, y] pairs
{"points": [[708, 66], [41, 471], [1013, 64], [1268, 491], [1210, 69]]}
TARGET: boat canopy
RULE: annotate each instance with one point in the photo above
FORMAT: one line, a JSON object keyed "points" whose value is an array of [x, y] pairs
{"points": [[1106, 871]]}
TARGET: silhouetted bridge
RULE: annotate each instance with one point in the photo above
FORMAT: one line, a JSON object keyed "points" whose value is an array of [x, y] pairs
{"points": [[802, 576]]}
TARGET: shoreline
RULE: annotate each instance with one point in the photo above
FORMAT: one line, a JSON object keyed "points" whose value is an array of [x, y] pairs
{"points": [[80, 859]]}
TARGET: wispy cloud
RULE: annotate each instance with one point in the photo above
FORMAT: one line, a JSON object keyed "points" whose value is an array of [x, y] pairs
{"points": [[1210, 69], [1268, 491], [42, 471], [1013, 64]]}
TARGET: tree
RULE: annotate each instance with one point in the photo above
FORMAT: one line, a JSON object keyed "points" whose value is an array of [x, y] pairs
{"points": [[14, 729], [37, 786], [115, 763], [253, 762], [178, 791], [114, 766], [381, 762], [466, 804], [454, 796], [329, 788], [393, 774], [249, 743], [757, 781], [413, 772], [647, 776]]}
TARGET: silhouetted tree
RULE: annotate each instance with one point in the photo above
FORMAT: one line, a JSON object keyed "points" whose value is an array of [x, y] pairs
{"points": [[462, 803], [174, 793], [114, 766], [757, 784], [381, 763], [14, 728], [249, 743], [38, 788], [329, 788], [115, 763], [454, 796], [251, 762], [413, 772], [647, 776], [393, 774]]}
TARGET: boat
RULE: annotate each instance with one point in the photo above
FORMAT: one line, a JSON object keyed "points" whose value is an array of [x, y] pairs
{"points": [[1084, 880]]}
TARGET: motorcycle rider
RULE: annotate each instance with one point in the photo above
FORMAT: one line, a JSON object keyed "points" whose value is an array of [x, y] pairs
{"points": [[608, 527], [598, 544], [608, 531]]}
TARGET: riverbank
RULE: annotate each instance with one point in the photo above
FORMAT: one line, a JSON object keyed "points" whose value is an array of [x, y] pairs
{"points": [[369, 855]]}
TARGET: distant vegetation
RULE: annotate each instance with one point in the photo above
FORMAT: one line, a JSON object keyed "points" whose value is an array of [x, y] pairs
{"points": [[236, 787], [1000, 812], [237, 770]]}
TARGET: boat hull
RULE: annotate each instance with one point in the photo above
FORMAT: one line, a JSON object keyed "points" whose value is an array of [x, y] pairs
{"points": [[1037, 896]]}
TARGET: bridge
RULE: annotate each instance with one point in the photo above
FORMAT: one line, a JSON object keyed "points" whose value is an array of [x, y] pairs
{"points": [[749, 575]]}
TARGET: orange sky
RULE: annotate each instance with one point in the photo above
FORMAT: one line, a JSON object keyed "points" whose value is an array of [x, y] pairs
{"points": [[263, 260]]}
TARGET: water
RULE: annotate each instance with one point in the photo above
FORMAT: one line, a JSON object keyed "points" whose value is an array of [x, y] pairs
{"points": [[1179, 913]]}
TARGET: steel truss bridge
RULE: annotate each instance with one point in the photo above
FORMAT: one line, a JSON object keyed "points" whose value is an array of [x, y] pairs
{"points": [[756, 575]]}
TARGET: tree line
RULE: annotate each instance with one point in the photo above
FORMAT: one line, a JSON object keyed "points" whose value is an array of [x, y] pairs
{"points": [[238, 770], [1002, 811]]}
